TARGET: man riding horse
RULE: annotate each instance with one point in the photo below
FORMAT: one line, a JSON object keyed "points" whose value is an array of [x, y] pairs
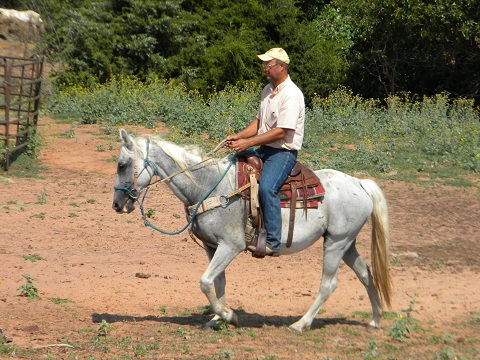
{"points": [[278, 130]]}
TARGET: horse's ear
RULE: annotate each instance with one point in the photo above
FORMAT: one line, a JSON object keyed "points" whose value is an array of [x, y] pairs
{"points": [[126, 139]]}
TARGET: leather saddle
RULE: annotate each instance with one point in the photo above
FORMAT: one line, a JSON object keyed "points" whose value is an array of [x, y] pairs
{"points": [[302, 186]]}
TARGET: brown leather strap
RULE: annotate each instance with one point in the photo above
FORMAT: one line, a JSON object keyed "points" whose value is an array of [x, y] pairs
{"points": [[304, 189], [291, 221], [254, 204], [261, 249], [261, 245]]}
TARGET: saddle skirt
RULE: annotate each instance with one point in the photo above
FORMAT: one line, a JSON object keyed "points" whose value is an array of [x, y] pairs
{"points": [[306, 193]]}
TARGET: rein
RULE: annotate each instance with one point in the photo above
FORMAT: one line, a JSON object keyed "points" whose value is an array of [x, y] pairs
{"points": [[220, 145], [131, 191], [192, 217]]}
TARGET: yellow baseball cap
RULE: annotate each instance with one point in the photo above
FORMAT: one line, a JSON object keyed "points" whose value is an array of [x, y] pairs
{"points": [[275, 53]]}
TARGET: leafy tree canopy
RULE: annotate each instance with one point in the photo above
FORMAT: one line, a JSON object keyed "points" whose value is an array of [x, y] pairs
{"points": [[376, 47], [417, 46]]}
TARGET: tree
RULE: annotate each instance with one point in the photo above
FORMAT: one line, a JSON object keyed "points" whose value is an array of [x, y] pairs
{"points": [[318, 48], [418, 46], [95, 40], [206, 44], [231, 33]]}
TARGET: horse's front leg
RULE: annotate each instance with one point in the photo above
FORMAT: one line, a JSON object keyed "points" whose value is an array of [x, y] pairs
{"points": [[219, 283], [215, 273]]}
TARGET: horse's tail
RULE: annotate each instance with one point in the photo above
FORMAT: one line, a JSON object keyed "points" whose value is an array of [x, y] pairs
{"points": [[380, 240]]}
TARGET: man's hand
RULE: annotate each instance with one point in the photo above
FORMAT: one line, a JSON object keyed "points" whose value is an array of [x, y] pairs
{"points": [[234, 142], [229, 139], [238, 145], [242, 140]]}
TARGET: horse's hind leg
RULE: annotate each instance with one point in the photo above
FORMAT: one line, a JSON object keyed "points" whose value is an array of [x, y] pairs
{"points": [[353, 259], [332, 254]]}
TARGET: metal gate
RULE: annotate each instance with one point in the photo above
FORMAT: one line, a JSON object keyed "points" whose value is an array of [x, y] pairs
{"points": [[20, 82]]}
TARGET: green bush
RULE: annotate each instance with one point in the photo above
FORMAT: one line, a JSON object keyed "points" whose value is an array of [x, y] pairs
{"points": [[364, 135], [398, 136]]}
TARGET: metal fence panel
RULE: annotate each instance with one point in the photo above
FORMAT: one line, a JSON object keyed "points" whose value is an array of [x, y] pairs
{"points": [[20, 83]]}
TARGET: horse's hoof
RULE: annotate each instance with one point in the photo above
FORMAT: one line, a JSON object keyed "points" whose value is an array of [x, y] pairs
{"points": [[212, 324], [234, 319], [374, 324], [295, 329], [208, 327]]}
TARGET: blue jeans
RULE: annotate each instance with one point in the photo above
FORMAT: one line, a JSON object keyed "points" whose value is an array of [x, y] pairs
{"points": [[277, 165]]}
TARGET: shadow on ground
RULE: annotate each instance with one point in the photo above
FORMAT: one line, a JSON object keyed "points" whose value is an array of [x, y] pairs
{"points": [[251, 320]]}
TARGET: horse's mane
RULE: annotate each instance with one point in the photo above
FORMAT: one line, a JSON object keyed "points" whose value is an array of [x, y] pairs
{"points": [[179, 153]]}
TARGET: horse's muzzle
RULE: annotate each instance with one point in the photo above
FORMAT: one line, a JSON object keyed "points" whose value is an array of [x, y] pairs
{"points": [[123, 203], [127, 207]]}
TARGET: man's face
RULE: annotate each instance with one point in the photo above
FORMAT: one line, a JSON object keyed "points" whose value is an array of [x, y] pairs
{"points": [[272, 69]]}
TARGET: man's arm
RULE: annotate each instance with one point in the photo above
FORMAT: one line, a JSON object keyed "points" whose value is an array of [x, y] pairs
{"points": [[242, 144]]}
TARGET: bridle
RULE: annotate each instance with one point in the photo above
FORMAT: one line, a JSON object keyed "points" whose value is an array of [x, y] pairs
{"points": [[131, 189]]}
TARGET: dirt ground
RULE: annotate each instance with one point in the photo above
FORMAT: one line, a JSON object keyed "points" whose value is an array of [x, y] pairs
{"points": [[91, 258]]}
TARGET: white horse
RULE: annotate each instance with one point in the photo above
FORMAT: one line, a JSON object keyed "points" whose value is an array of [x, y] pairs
{"points": [[349, 202]]}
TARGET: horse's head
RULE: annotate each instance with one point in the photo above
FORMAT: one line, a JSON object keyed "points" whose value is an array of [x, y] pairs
{"points": [[132, 175]]}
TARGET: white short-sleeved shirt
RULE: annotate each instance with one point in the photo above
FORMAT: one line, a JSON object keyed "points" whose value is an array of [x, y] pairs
{"points": [[283, 107]]}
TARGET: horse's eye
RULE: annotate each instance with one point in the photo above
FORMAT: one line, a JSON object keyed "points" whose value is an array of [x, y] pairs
{"points": [[122, 166]]}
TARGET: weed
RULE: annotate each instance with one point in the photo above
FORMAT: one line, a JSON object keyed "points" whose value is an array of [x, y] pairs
{"points": [[26, 166], [395, 262], [85, 330], [72, 215], [224, 327], [150, 213], [124, 343], [59, 300], [350, 331], [179, 331], [474, 319], [227, 353], [113, 159], [104, 328], [69, 134], [372, 350], [38, 216], [5, 180], [9, 350], [362, 314], [163, 310], [139, 350], [390, 315], [186, 349], [100, 147], [445, 354], [317, 340], [186, 311], [28, 289], [33, 257], [404, 324], [42, 198], [153, 346], [206, 309]]}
